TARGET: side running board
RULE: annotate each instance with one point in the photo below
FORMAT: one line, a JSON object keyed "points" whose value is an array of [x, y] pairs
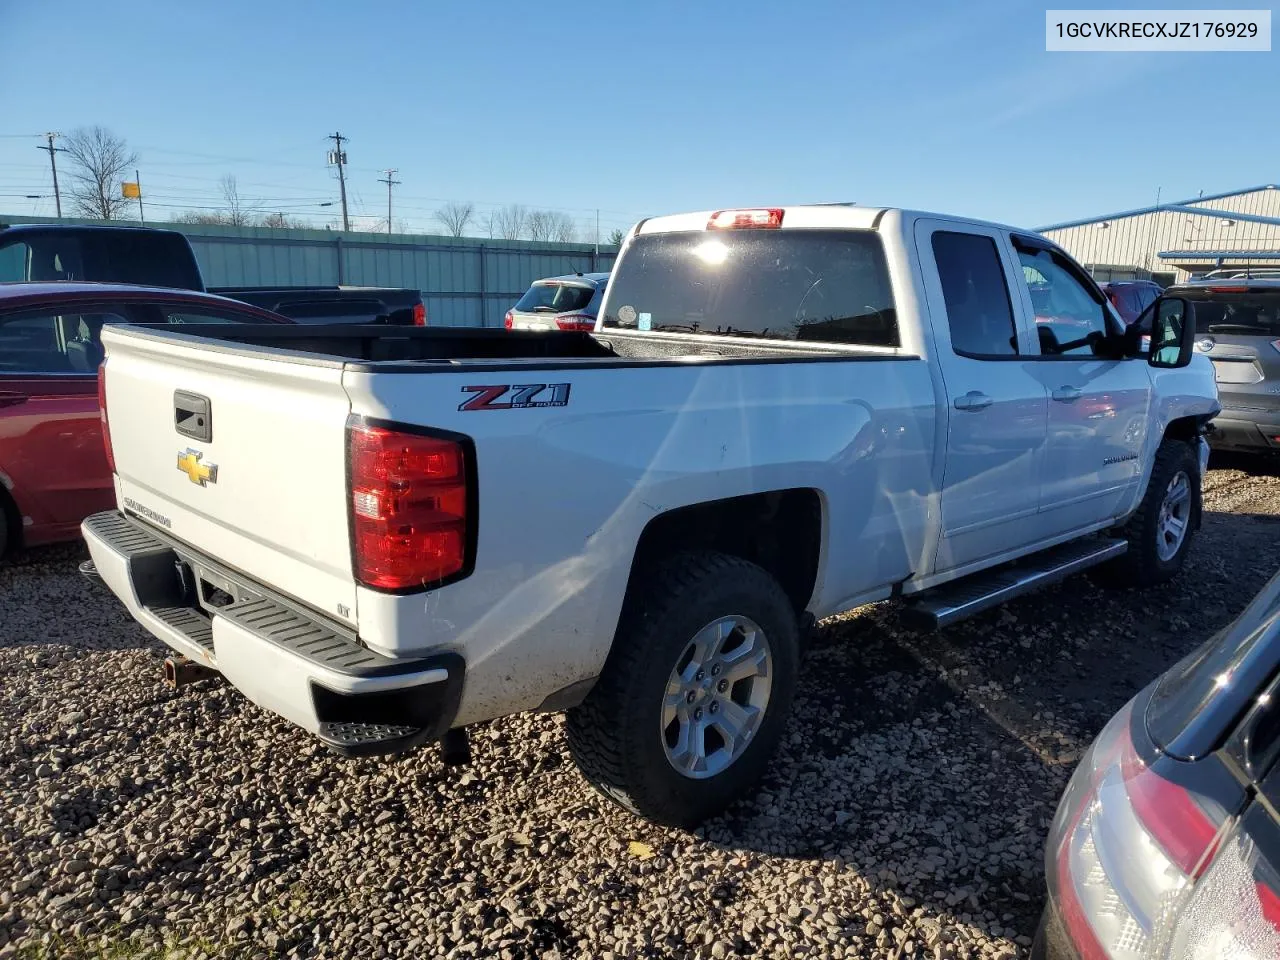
{"points": [[956, 601]]}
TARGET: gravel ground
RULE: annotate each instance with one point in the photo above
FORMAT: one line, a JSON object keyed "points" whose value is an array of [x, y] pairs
{"points": [[904, 816]]}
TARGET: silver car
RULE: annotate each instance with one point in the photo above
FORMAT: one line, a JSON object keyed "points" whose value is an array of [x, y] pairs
{"points": [[1166, 845], [559, 303]]}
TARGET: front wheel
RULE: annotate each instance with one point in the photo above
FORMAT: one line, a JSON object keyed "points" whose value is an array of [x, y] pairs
{"points": [[695, 694], [1162, 528]]}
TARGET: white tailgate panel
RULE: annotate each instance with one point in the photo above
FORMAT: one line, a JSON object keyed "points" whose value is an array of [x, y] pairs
{"points": [[277, 509]]}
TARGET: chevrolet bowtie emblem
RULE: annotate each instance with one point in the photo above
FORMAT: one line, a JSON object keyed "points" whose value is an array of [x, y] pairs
{"points": [[197, 472]]}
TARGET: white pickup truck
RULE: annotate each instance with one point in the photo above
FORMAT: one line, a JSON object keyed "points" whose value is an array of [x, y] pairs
{"points": [[385, 536]]}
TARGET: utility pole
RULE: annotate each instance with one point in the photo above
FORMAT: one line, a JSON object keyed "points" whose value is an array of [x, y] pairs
{"points": [[339, 156], [53, 164], [593, 263], [137, 178], [389, 182]]}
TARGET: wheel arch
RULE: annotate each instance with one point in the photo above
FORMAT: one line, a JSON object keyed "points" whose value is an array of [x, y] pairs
{"points": [[780, 531]]}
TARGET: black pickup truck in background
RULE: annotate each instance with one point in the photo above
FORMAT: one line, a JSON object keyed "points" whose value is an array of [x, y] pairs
{"points": [[163, 258]]}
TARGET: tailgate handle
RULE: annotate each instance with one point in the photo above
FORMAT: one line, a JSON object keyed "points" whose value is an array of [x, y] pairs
{"points": [[193, 416]]}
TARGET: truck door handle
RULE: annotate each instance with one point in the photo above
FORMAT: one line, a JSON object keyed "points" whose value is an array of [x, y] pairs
{"points": [[1067, 394], [973, 400], [11, 399]]}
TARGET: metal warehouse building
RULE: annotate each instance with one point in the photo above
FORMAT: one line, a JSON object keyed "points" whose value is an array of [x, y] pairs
{"points": [[1175, 241]]}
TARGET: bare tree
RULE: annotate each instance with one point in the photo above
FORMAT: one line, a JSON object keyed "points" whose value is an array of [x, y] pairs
{"points": [[510, 222], [617, 236], [100, 162], [238, 213], [539, 225], [563, 228], [278, 221], [195, 216], [551, 225], [455, 216]]}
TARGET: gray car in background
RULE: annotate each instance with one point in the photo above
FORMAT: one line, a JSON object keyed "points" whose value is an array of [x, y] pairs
{"points": [[559, 303], [1238, 326]]}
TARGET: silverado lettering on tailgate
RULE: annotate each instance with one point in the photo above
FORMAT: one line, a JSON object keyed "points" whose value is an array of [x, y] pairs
{"points": [[521, 395], [134, 506]]}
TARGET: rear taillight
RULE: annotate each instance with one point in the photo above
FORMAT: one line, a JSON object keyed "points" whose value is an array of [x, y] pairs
{"points": [[1130, 854], [419, 314], [102, 415], [412, 516], [507, 320], [576, 321], [765, 219]]}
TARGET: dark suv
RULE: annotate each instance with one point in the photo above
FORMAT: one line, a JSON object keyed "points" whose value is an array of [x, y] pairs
{"points": [[1238, 326]]}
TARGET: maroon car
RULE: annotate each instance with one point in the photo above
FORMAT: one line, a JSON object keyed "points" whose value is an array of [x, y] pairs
{"points": [[53, 468]]}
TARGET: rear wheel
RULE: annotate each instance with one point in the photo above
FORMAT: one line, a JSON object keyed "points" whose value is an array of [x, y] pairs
{"points": [[695, 693], [1162, 528]]}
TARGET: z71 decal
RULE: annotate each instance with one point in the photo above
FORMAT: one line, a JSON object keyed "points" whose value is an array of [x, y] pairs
{"points": [[518, 396]]}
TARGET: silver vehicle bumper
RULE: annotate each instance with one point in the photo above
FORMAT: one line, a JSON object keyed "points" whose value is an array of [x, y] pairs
{"points": [[277, 655]]}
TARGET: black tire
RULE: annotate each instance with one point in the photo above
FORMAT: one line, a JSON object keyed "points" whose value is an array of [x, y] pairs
{"points": [[615, 736], [1142, 565], [8, 525]]}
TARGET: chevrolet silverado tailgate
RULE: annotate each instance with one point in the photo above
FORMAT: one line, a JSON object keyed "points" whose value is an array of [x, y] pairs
{"points": [[238, 452]]}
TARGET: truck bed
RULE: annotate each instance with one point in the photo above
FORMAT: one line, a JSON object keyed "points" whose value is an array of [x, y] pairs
{"points": [[443, 345]]}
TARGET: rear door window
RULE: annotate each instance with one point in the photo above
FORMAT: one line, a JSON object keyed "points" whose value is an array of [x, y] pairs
{"points": [[51, 342], [555, 298], [976, 293], [821, 285]]}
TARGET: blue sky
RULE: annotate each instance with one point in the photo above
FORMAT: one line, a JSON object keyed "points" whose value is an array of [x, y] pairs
{"points": [[635, 109]]}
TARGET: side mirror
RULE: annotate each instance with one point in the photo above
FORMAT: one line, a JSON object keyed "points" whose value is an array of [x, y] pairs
{"points": [[1173, 332]]}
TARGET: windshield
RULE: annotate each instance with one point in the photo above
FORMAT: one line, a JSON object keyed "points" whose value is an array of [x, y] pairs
{"points": [[1243, 312], [555, 298], [781, 284]]}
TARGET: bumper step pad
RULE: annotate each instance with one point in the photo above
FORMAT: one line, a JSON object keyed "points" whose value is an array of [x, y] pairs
{"points": [[369, 739]]}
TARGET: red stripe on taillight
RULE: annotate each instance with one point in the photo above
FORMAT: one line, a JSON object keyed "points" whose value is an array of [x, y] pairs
{"points": [[507, 320], [1073, 916], [1184, 832], [419, 314], [1270, 904], [102, 415], [412, 513], [576, 321]]}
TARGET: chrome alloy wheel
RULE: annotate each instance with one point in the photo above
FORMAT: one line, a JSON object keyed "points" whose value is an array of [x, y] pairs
{"points": [[716, 697], [1175, 516]]}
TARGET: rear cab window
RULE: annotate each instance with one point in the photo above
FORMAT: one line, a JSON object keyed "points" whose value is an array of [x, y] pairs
{"points": [[108, 256], [827, 286]]}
